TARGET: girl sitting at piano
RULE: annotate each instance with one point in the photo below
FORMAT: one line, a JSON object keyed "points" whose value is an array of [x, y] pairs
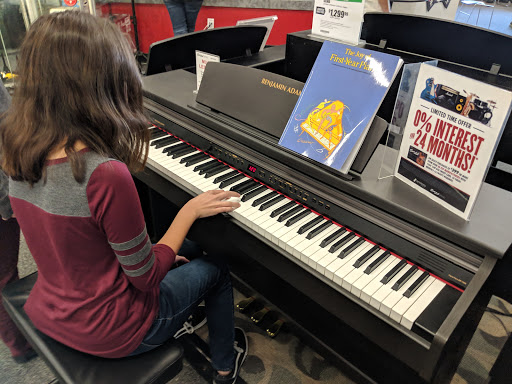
{"points": [[73, 134]]}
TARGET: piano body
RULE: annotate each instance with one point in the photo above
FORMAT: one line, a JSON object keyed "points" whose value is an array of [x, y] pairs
{"points": [[378, 276]]}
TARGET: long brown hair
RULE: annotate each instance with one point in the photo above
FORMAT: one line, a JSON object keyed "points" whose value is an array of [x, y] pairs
{"points": [[77, 80]]}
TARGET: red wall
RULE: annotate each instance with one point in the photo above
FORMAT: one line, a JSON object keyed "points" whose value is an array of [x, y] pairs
{"points": [[154, 23]]}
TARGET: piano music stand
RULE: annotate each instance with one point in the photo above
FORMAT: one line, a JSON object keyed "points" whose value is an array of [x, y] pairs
{"points": [[228, 43]]}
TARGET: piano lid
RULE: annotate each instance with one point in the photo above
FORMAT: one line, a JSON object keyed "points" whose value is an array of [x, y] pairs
{"points": [[487, 233]]}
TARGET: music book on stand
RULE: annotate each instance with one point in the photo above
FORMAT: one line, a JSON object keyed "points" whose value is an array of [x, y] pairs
{"points": [[338, 103], [451, 133]]}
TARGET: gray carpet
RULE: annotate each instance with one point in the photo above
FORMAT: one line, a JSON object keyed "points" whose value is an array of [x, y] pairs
{"points": [[286, 359]]}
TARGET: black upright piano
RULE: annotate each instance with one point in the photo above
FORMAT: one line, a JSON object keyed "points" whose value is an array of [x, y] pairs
{"points": [[296, 216]]}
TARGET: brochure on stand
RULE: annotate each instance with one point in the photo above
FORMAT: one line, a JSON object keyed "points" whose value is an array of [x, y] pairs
{"points": [[202, 58], [451, 133], [338, 19], [338, 103]]}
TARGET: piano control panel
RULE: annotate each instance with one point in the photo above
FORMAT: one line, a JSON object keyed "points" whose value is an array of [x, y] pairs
{"points": [[279, 184]]}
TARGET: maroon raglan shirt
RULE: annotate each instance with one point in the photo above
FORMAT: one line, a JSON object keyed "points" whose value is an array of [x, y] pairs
{"points": [[98, 274]]}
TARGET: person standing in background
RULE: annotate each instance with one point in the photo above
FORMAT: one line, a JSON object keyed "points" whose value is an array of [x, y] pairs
{"points": [[183, 15], [377, 6], [21, 350]]}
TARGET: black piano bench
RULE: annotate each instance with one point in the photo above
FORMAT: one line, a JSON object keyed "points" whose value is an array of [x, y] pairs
{"points": [[73, 367]]}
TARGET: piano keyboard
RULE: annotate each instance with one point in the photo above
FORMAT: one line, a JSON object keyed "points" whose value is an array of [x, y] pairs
{"points": [[401, 291]]}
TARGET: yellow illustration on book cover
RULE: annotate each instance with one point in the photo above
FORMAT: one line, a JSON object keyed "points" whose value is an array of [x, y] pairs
{"points": [[324, 124]]}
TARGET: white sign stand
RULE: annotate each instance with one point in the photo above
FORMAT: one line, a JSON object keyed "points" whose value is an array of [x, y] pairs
{"points": [[338, 20], [267, 21]]}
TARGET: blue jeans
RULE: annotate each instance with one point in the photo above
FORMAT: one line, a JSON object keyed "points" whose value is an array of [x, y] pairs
{"points": [[183, 15], [182, 289]]}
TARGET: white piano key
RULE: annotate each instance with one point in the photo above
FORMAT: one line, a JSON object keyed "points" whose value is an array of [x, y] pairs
{"points": [[415, 310], [285, 234], [299, 249], [337, 262], [348, 266], [299, 242], [394, 296], [357, 273], [264, 221], [366, 285], [383, 290], [405, 303], [312, 253], [329, 257]]}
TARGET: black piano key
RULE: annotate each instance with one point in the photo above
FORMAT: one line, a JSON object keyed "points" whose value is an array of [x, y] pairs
{"points": [[262, 199], [283, 208], [160, 143], [164, 141], [209, 165], [231, 180], [249, 187], [349, 248], [340, 243], [290, 213], [414, 286], [175, 148], [166, 147], [297, 217], [310, 224], [197, 160], [158, 133], [315, 232], [197, 168], [241, 185], [216, 171], [430, 320], [183, 152], [225, 176], [179, 144], [333, 236], [367, 255], [375, 264], [255, 192], [212, 168], [406, 276], [195, 157], [397, 268], [270, 203]]}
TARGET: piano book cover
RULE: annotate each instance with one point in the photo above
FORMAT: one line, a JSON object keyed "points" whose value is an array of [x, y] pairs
{"points": [[338, 102], [450, 136]]}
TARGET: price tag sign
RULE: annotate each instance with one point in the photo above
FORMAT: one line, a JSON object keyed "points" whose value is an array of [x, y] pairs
{"points": [[338, 19], [202, 58]]}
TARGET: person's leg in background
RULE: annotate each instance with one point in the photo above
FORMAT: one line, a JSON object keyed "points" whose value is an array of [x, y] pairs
{"points": [[20, 349], [176, 9], [192, 8]]}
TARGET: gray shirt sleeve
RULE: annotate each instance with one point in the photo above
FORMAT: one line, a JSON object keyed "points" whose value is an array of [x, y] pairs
{"points": [[5, 204]]}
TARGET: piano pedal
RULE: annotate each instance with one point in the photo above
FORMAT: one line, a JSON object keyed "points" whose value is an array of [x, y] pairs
{"points": [[260, 315], [242, 305], [275, 327]]}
